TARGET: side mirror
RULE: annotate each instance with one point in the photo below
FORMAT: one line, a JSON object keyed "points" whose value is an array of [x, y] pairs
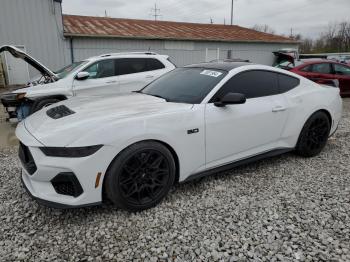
{"points": [[82, 76], [231, 99]]}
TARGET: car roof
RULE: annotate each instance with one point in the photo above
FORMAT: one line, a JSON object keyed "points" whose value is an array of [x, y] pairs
{"points": [[127, 55], [226, 66]]}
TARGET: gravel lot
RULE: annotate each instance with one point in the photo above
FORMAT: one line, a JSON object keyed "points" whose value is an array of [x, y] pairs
{"points": [[282, 209]]}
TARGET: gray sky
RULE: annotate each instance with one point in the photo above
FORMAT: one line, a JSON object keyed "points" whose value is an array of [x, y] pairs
{"points": [[308, 17]]}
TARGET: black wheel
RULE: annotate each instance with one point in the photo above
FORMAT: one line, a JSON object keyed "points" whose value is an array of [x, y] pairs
{"points": [[140, 177], [314, 135], [38, 105]]}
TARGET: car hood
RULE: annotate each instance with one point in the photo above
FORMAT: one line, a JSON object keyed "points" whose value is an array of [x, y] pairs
{"points": [[87, 114], [30, 60]]}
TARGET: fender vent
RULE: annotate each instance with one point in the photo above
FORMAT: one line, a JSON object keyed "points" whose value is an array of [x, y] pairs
{"points": [[59, 112]]}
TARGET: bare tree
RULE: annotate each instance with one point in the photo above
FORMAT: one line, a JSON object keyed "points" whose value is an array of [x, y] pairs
{"points": [[264, 29], [336, 38]]}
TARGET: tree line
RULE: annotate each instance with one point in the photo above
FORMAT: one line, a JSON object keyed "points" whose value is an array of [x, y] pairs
{"points": [[334, 39]]}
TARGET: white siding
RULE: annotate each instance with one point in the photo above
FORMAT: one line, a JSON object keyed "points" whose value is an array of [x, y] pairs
{"points": [[182, 53], [37, 25]]}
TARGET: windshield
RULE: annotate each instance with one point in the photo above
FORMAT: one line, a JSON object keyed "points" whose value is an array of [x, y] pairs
{"points": [[62, 73], [185, 85]]}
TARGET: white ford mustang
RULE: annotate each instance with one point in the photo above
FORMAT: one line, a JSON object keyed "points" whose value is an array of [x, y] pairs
{"points": [[191, 122]]}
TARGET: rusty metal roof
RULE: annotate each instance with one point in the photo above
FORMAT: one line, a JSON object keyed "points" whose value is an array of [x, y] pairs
{"points": [[88, 26]]}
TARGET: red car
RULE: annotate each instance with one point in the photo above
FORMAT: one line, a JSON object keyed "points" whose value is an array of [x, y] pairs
{"points": [[322, 71]]}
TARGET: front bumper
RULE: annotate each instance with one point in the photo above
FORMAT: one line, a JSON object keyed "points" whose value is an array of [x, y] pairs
{"points": [[26, 185], [40, 182]]}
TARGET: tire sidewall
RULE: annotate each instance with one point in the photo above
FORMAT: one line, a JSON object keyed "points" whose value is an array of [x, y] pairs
{"points": [[301, 147], [112, 187]]}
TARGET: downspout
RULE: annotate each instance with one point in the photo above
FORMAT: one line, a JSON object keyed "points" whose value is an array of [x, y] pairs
{"points": [[71, 49]]}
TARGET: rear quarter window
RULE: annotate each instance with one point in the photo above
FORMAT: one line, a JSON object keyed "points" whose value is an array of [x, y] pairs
{"points": [[287, 83], [154, 64]]}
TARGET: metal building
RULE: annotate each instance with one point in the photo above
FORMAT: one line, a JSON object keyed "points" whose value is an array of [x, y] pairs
{"points": [[37, 27], [56, 40], [185, 43]]}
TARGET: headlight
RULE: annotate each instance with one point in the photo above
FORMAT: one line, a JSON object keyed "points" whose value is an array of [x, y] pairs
{"points": [[74, 152], [20, 96], [12, 96]]}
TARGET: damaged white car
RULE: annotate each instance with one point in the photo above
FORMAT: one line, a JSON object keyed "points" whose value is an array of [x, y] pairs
{"points": [[101, 75]]}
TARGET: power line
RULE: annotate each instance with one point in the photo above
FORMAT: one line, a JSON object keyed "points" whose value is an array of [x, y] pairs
{"points": [[155, 12], [231, 12]]}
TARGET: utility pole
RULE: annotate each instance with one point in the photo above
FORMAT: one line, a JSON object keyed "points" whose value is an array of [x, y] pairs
{"points": [[232, 12], [156, 12]]}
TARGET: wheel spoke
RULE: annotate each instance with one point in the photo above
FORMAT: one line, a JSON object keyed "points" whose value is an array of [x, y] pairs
{"points": [[131, 190], [145, 176], [157, 162]]}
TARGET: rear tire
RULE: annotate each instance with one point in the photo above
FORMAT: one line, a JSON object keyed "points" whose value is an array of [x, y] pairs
{"points": [[140, 177], [314, 135]]}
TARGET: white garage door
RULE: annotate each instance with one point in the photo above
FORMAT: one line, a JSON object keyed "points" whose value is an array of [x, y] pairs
{"points": [[17, 69]]}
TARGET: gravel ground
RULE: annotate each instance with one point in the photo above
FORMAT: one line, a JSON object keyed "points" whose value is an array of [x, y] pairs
{"points": [[282, 209]]}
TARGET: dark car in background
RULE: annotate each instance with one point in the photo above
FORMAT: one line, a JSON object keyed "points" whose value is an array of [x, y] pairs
{"points": [[323, 72]]}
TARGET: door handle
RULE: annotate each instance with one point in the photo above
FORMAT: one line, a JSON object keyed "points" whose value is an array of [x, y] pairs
{"points": [[111, 82], [279, 109], [149, 77]]}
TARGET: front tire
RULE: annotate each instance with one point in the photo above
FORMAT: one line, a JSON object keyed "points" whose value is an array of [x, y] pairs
{"points": [[140, 177], [314, 135], [38, 105]]}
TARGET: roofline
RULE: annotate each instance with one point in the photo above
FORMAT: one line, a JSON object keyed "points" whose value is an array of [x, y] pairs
{"points": [[70, 35]]}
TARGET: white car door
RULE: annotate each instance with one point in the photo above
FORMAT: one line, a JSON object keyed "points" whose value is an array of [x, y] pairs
{"points": [[103, 79], [239, 131], [136, 73]]}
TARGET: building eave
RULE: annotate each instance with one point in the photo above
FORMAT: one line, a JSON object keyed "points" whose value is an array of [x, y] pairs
{"points": [[70, 35]]}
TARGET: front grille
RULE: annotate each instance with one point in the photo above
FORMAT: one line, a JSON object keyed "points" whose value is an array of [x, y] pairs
{"points": [[27, 159], [67, 184], [59, 112]]}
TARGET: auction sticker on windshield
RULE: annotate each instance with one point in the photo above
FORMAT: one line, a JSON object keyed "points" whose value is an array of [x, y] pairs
{"points": [[211, 73]]}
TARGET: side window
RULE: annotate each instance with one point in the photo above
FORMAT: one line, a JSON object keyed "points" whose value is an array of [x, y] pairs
{"points": [[324, 68], [252, 84], [127, 66], [101, 69], [341, 70], [287, 83], [307, 68], [154, 64]]}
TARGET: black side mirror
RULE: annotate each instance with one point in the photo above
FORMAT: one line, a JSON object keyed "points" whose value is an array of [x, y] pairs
{"points": [[231, 99]]}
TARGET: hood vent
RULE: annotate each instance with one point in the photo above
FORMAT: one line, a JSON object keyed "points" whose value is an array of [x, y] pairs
{"points": [[59, 112]]}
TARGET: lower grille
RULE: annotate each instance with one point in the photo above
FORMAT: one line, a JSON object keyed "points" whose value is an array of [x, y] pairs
{"points": [[67, 184], [27, 159]]}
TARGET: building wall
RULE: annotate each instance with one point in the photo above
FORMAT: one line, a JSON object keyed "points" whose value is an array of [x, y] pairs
{"points": [[181, 52], [37, 25]]}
